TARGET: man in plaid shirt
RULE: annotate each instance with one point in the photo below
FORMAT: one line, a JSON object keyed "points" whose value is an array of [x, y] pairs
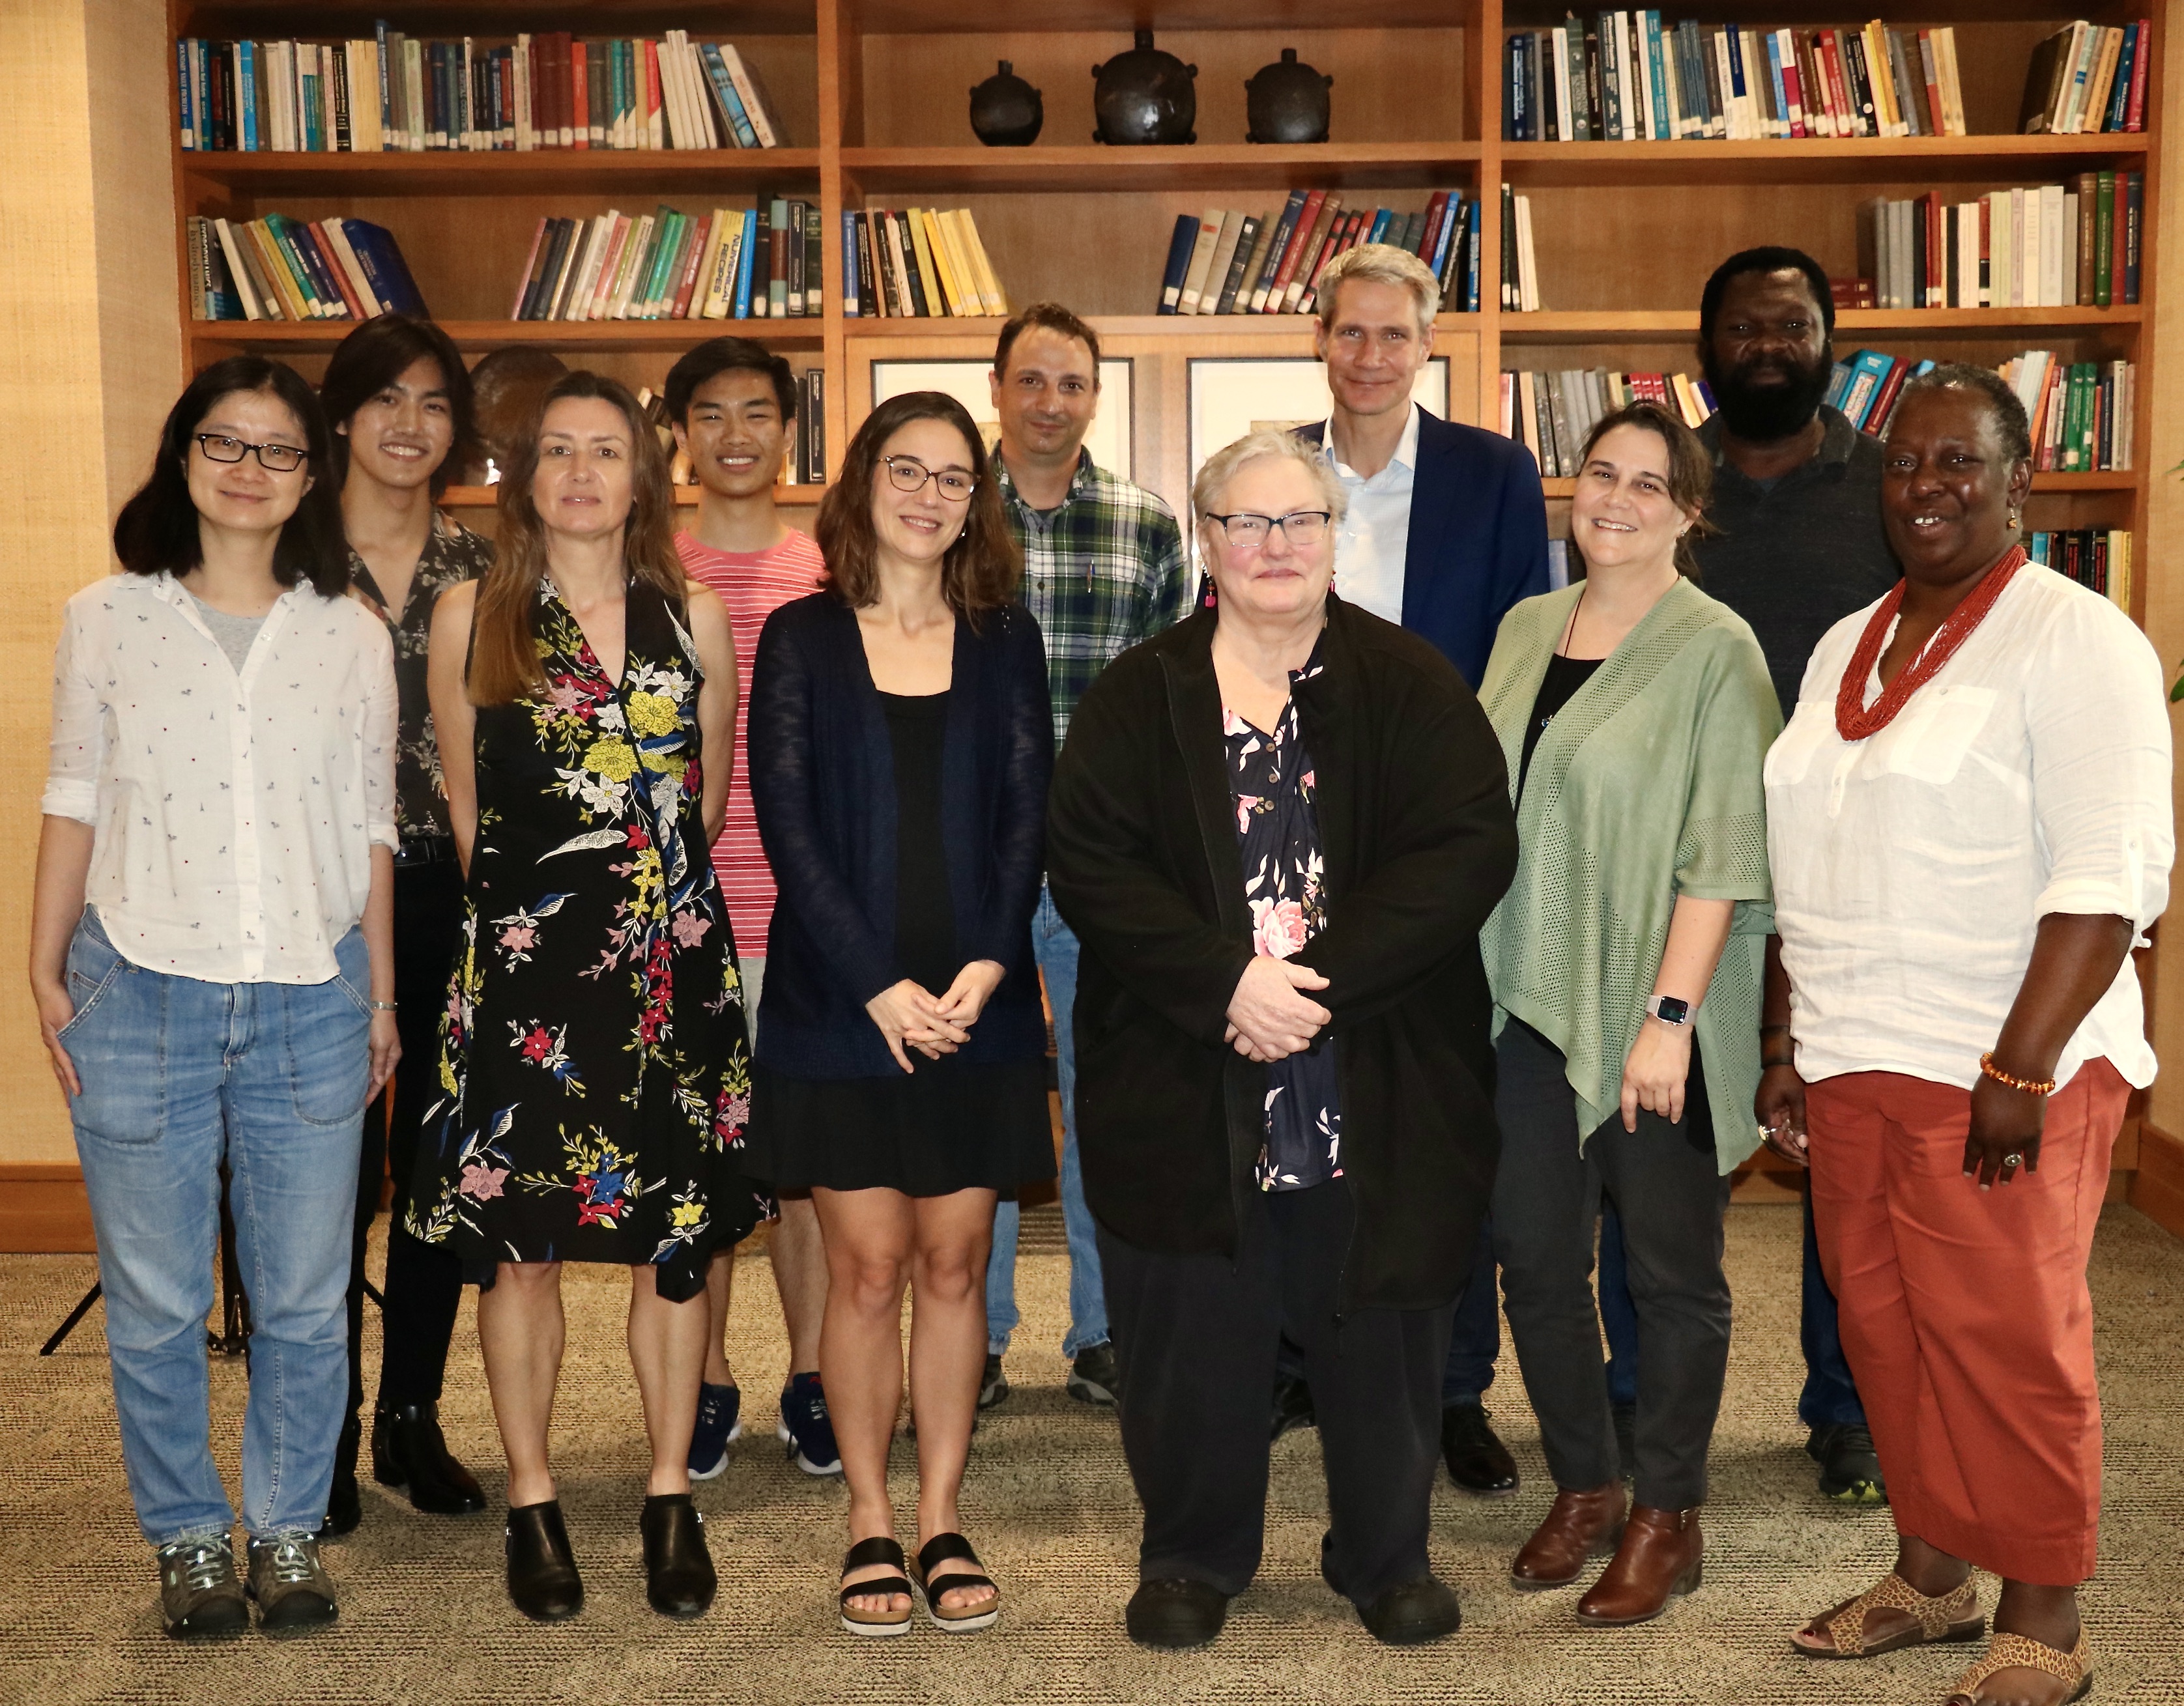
{"points": [[1103, 570]]}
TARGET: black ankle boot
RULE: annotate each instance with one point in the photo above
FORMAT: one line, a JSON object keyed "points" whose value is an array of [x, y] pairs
{"points": [[542, 1570], [409, 1450], [678, 1570], [344, 1503]]}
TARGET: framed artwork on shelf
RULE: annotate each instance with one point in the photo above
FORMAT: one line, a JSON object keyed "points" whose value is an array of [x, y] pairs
{"points": [[1232, 395], [967, 380]]}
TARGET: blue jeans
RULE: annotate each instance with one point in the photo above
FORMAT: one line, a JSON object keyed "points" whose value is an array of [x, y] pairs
{"points": [[1055, 949], [1830, 1395], [1476, 1341], [174, 1071]]}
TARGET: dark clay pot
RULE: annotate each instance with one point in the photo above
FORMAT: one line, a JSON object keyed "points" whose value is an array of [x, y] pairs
{"points": [[1287, 103], [1005, 111], [1145, 96]]}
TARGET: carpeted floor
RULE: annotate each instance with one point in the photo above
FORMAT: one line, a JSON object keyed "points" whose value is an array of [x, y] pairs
{"points": [[424, 1617]]}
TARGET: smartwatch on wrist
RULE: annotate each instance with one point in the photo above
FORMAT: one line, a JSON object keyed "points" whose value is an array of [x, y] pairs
{"points": [[1669, 1010]]}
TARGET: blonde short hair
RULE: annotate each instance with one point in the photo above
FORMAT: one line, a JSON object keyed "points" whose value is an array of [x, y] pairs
{"points": [[1382, 264], [1220, 468]]}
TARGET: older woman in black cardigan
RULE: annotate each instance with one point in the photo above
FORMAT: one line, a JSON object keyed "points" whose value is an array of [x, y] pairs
{"points": [[1277, 828], [900, 742]]}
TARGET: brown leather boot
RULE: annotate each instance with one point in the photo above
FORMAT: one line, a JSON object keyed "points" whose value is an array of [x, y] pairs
{"points": [[1579, 1525], [1659, 1557]]}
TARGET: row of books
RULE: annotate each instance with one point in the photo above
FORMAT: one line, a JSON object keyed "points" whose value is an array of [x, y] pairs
{"points": [[917, 263], [276, 268], [2098, 558], [1623, 77], [2087, 77], [1520, 263], [1551, 414], [392, 92], [2050, 247], [1226, 262], [731, 263], [2080, 411]]}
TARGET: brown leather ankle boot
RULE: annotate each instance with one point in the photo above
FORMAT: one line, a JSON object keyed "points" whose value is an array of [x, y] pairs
{"points": [[1659, 1558], [1579, 1525]]}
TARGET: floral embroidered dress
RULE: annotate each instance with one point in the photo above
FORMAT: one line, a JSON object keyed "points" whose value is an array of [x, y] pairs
{"points": [[1271, 784], [594, 1055]]}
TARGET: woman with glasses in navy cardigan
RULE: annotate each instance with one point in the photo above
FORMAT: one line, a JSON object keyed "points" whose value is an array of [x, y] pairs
{"points": [[900, 742]]}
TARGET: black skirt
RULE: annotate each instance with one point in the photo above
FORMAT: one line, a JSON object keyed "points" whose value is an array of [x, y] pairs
{"points": [[944, 1127]]}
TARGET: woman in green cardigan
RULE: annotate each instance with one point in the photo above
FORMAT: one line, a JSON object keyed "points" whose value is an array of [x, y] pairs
{"points": [[1633, 712]]}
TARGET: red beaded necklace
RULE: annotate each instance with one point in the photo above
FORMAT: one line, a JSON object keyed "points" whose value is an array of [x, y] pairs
{"points": [[1855, 720]]}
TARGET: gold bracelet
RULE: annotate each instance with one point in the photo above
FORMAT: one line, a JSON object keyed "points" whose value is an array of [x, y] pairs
{"points": [[2031, 1087]]}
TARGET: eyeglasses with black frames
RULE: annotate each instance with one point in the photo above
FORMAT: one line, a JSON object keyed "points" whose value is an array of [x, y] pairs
{"points": [[908, 474], [1298, 526], [274, 458]]}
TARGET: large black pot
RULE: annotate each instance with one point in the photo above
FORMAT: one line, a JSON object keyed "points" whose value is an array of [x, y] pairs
{"points": [[1287, 103], [1145, 96], [1005, 111]]}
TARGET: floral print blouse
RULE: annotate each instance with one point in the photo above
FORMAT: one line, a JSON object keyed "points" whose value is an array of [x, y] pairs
{"points": [[1272, 787], [452, 554]]}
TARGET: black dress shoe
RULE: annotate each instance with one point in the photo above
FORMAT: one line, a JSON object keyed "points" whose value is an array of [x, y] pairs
{"points": [[1292, 1405], [1850, 1468], [1413, 1614], [1174, 1612], [1478, 1462], [409, 1450], [542, 1570], [678, 1571], [344, 1503]]}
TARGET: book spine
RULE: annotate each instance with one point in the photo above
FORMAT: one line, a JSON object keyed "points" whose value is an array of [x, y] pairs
{"points": [[2135, 114], [2133, 212]]}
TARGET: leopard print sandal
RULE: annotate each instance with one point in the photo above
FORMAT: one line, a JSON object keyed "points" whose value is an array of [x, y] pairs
{"points": [[1942, 1617]]}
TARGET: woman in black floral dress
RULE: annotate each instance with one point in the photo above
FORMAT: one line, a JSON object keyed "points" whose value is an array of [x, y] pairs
{"points": [[595, 1066]]}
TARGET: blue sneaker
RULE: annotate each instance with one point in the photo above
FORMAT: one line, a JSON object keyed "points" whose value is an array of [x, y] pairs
{"points": [[805, 1428], [719, 1426]]}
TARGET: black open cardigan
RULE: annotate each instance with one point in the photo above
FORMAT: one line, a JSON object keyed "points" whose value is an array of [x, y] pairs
{"points": [[1142, 861]]}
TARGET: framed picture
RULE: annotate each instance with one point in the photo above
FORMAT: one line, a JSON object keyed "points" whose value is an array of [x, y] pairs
{"points": [[1232, 396], [966, 382]]}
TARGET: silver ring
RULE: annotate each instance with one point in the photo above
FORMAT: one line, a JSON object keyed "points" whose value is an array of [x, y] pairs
{"points": [[2013, 1161]]}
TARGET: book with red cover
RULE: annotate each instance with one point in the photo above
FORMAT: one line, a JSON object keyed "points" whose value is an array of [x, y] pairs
{"points": [[2134, 114], [580, 94]]}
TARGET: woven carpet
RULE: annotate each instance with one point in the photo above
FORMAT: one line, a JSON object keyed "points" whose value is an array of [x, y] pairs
{"points": [[1048, 1500]]}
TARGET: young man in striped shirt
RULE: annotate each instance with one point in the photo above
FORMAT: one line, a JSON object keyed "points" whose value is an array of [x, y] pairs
{"points": [[1103, 570], [732, 403]]}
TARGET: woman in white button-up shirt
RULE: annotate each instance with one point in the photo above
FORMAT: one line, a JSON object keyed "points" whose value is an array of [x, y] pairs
{"points": [[211, 957], [1969, 823]]}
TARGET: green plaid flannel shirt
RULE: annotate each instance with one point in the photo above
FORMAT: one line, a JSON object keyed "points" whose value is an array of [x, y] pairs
{"points": [[1101, 573]]}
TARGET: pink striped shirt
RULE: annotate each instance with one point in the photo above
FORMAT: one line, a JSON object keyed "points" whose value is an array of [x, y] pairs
{"points": [[752, 585]]}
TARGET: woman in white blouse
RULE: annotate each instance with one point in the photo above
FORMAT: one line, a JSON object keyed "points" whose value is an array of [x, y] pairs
{"points": [[211, 958], [1969, 823]]}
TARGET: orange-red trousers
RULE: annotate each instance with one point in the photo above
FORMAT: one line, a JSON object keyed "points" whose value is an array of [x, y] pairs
{"points": [[1965, 1313]]}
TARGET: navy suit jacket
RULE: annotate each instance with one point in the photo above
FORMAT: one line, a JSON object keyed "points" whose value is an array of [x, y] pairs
{"points": [[1478, 539]]}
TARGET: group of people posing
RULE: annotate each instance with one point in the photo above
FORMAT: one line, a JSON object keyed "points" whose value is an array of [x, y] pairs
{"points": [[1419, 941]]}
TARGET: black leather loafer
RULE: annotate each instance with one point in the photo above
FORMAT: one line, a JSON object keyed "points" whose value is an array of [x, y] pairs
{"points": [[1292, 1405], [344, 1503], [1413, 1614], [678, 1570], [408, 1450], [1478, 1462], [542, 1570], [1173, 1613]]}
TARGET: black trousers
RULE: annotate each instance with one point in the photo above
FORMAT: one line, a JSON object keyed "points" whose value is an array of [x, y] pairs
{"points": [[424, 1284], [1195, 1337], [1670, 1196]]}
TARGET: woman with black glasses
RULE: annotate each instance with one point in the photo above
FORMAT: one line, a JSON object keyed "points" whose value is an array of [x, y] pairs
{"points": [[900, 739]]}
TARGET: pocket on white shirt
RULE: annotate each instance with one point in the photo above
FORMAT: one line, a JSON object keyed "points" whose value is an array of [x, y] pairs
{"points": [[1792, 755], [1928, 740]]}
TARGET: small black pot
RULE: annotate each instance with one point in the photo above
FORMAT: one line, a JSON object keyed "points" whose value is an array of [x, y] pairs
{"points": [[1005, 111], [1287, 103], [1145, 96]]}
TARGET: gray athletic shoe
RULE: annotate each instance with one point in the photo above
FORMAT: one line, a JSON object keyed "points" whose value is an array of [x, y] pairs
{"points": [[294, 1594], [199, 1597]]}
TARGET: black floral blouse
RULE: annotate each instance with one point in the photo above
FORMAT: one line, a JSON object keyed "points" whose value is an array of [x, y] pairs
{"points": [[1272, 784], [452, 554]]}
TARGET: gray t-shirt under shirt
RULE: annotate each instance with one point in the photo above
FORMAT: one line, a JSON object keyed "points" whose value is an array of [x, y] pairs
{"points": [[236, 634]]}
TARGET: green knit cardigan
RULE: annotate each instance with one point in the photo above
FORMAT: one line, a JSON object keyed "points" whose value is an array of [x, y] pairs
{"points": [[1645, 786]]}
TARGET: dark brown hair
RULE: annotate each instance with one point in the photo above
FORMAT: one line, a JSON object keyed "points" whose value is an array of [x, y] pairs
{"points": [[980, 571], [1054, 318], [1691, 470], [376, 354], [504, 652]]}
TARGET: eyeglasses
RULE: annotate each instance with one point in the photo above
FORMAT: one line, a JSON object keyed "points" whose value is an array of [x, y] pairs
{"points": [[274, 458], [909, 474], [1298, 526]]}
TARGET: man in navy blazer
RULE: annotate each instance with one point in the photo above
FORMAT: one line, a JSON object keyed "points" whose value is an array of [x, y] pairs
{"points": [[1446, 529]]}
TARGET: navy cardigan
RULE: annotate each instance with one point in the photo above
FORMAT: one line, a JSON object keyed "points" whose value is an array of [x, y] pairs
{"points": [[822, 780], [1478, 539]]}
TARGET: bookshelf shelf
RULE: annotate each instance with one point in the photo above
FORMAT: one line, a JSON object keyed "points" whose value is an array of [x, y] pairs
{"points": [[476, 497], [1815, 161], [321, 336], [458, 173], [1095, 168], [2055, 484], [1650, 325]]}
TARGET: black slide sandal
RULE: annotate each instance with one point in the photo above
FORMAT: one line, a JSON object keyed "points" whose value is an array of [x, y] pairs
{"points": [[880, 1549], [944, 1548]]}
